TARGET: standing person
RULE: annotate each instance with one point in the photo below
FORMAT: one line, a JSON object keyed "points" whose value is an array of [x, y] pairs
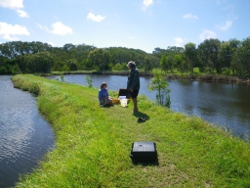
{"points": [[103, 95], [133, 84]]}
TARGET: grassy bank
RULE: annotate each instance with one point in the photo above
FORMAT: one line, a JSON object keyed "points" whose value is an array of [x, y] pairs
{"points": [[93, 144]]}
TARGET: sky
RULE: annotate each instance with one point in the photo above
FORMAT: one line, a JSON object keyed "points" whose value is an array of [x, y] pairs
{"points": [[137, 24]]}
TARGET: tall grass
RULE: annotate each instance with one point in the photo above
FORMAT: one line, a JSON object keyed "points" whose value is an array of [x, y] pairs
{"points": [[93, 144]]}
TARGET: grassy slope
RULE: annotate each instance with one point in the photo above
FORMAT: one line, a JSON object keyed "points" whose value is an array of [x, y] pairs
{"points": [[93, 144]]}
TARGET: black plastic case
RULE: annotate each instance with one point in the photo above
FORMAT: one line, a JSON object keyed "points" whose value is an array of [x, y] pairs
{"points": [[143, 152], [124, 92]]}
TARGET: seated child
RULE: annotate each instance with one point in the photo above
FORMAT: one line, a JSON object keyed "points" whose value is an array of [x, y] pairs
{"points": [[103, 96]]}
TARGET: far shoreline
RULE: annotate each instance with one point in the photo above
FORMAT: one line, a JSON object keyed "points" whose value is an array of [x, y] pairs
{"points": [[206, 78]]}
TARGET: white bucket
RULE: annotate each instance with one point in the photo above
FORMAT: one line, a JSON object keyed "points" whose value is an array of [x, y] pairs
{"points": [[124, 102]]}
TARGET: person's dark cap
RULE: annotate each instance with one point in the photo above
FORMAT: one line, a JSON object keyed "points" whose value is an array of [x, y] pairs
{"points": [[131, 64]]}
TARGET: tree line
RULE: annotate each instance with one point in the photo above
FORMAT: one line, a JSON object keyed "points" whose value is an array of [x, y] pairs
{"points": [[211, 56]]}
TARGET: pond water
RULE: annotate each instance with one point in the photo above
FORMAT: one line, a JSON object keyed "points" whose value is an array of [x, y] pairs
{"points": [[24, 135], [223, 104]]}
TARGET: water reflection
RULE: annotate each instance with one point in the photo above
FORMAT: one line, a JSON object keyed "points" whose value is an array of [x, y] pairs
{"points": [[226, 105], [24, 135]]}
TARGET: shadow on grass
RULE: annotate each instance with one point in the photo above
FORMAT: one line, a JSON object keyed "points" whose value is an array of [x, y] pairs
{"points": [[142, 117], [106, 106], [146, 163]]}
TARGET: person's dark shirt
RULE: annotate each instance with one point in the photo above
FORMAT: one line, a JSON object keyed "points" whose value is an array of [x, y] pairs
{"points": [[134, 79]]}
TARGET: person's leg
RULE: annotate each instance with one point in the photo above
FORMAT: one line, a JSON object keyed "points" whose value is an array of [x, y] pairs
{"points": [[134, 95], [135, 105], [108, 103]]}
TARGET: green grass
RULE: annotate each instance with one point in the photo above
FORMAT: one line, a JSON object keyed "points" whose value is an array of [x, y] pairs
{"points": [[92, 144]]}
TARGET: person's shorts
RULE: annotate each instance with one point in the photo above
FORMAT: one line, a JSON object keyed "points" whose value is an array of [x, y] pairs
{"points": [[134, 94], [103, 101]]}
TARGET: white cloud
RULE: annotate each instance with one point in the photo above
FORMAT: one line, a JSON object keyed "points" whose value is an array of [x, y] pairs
{"points": [[51, 43], [10, 32], [12, 4], [60, 29], [96, 18], [226, 26], [10, 38], [178, 41], [147, 3], [207, 34], [189, 16], [22, 14], [15, 5], [45, 28]]}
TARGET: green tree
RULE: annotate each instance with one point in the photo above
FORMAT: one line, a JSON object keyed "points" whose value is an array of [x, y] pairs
{"points": [[14, 49], [81, 54], [191, 55], [118, 66], [163, 64], [208, 52], [72, 64], [89, 81], [8, 66], [225, 54], [178, 61], [100, 59], [120, 55], [158, 52], [43, 62], [170, 62], [241, 60], [160, 84], [124, 55], [40, 62], [234, 45], [68, 47], [147, 65]]}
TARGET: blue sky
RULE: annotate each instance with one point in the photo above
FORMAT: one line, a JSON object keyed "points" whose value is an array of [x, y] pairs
{"points": [[138, 24]]}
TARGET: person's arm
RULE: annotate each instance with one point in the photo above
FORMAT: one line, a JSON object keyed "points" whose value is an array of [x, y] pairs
{"points": [[101, 95], [129, 81], [108, 96]]}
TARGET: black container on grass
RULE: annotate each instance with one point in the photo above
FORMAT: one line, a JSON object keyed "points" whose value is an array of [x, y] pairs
{"points": [[144, 152]]}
